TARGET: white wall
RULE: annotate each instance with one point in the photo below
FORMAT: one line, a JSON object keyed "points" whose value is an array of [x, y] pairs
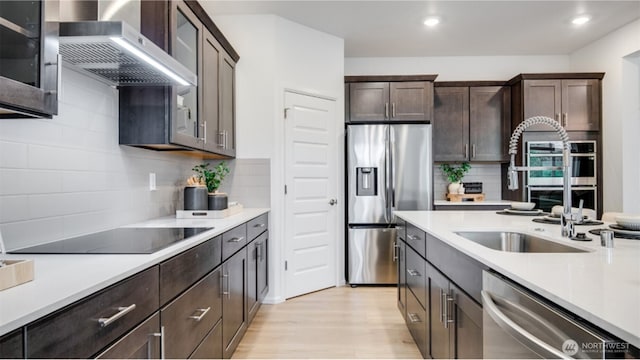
{"points": [[617, 54], [458, 68], [277, 54]]}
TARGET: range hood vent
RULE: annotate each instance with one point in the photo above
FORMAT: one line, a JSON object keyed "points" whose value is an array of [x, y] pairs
{"points": [[115, 51]]}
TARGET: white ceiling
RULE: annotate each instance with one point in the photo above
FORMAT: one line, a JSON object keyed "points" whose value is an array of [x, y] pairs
{"points": [[394, 28]]}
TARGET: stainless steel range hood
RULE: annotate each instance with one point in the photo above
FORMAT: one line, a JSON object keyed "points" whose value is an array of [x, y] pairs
{"points": [[116, 50]]}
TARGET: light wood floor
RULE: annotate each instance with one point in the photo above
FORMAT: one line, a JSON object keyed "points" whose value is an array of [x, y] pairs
{"points": [[343, 322]]}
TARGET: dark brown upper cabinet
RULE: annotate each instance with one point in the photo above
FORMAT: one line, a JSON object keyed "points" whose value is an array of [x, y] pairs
{"points": [[186, 119], [389, 98], [29, 62], [471, 123], [572, 99]]}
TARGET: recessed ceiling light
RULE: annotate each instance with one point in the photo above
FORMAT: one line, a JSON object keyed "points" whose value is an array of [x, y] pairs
{"points": [[580, 20], [432, 21]]}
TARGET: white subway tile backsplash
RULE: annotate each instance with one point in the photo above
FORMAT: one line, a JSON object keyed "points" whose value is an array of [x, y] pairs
{"points": [[14, 208], [13, 155], [25, 181]]}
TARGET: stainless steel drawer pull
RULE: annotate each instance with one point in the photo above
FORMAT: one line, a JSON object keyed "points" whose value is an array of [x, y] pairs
{"points": [[414, 318], [236, 239], [412, 237], [122, 311], [442, 305], [413, 272], [161, 336], [203, 312], [259, 250], [448, 311], [259, 225]]}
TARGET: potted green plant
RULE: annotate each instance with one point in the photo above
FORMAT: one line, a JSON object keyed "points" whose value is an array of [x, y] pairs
{"points": [[213, 178], [454, 175]]}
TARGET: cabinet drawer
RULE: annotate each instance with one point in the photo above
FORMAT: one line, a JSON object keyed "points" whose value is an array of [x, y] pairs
{"points": [[233, 240], [188, 319], [416, 238], [84, 328], [416, 275], [181, 271], [211, 346], [460, 268], [257, 226], [143, 342], [417, 323]]}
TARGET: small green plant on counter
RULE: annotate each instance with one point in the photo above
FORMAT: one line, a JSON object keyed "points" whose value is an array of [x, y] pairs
{"points": [[212, 177], [455, 173]]}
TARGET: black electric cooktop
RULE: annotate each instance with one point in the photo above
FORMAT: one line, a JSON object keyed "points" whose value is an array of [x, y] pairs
{"points": [[116, 241]]}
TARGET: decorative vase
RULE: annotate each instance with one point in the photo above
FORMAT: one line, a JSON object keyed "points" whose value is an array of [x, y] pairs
{"points": [[461, 189], [453, 187], [195, 198], [218, 201]]}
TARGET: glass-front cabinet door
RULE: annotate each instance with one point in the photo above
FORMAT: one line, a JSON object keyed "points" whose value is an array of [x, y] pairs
{"points": [[187, 126], [29, 66]]}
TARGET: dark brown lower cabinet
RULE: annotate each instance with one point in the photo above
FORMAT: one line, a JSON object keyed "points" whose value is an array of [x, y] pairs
{"points": [[468, 325], [211, 346], [234, 315], [86, 327], [143, 342], [456, 320], [11, 345], [188, 319]]}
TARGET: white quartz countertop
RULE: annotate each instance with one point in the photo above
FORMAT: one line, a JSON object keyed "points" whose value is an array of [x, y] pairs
{"points": [[60, 280], [602, 285], [506, 203]]}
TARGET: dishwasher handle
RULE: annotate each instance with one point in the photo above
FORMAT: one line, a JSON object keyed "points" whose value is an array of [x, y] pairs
{"points": [[510, 327]]}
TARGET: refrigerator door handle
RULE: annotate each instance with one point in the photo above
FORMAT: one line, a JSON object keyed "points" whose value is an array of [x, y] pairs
{"points": [[387, 176], [392, 181]]}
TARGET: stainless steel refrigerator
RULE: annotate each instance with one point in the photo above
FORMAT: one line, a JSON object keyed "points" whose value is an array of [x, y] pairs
{"points": [[388, 168]]}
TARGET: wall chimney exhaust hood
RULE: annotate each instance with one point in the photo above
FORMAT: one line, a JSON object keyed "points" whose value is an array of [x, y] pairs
{"points": [[92, 39]]}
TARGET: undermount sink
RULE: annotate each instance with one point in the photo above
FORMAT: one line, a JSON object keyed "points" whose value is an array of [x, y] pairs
{"points": [[516, 242]]}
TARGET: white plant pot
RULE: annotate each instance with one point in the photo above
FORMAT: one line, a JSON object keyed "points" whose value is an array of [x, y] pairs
{"points": [[453, 187]]}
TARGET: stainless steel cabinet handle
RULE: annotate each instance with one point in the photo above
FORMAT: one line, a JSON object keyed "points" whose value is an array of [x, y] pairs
{"points": [[393, 110], [558, 118], [565, 119], [236, 239], [259, 250], [395, 251], [442, 306], [412, 272], [473, 151], [227, 292], [203, 312], [412, 237], [226, 139], [122, 311], [466, 151], [161, 336], [448, 318], [259, 225], [386, 110], [505, 323], [221, 139], [414, 318]]}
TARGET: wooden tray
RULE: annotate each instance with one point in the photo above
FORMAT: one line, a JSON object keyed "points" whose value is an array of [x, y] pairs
{"points": [[465, 197], [15, 272]]}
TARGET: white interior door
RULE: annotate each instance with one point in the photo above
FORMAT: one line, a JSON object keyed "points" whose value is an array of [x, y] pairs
{"points": [[310, 175]]}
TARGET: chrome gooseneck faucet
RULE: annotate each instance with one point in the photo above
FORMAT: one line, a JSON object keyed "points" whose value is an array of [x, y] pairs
{"points": [[567, 218]]}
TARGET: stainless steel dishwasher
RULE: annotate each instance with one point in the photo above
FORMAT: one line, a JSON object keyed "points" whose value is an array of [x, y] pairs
{"points": [[519, 324]]}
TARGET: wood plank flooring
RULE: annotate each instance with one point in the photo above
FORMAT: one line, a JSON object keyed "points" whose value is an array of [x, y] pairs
{"points": [[344, 322]]}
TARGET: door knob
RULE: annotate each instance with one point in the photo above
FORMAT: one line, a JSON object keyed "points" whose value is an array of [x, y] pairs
{"points": [[333, 202]]}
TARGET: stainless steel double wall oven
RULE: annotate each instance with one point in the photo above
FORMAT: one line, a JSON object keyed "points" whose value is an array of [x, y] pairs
{"points": [[544, 187]]}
